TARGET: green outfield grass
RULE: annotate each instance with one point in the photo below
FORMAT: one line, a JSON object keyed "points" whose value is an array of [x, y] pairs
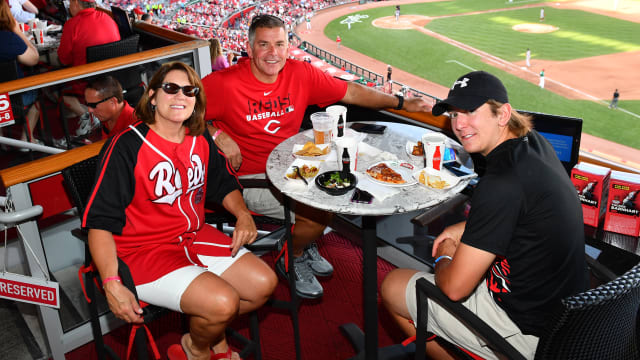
{"points": [[580, 34], [442, 63]]}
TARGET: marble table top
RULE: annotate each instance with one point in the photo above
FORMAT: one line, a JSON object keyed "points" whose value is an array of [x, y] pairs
{"points": [[389, 145]]}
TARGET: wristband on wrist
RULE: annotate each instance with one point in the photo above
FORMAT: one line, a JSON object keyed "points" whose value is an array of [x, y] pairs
{"points": [[443, 257], [215, 134], [400, 102], [111, 278]]}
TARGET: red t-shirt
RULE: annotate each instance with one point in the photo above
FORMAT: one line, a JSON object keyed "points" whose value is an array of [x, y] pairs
{"points": [[88, 28], [260, 116], [126, 118]]}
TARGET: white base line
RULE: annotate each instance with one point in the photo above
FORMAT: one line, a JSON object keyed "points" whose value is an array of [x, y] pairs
{"points": [[461, 64]]}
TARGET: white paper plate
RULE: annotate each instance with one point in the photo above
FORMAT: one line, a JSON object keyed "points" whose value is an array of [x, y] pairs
{"points": [[300, 163], [298, 147], [404, 169], [409, 149], [451, 180]]}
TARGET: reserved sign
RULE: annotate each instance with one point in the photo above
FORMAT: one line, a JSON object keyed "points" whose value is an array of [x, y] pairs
{"points": [[6, 114], [30, 290]]}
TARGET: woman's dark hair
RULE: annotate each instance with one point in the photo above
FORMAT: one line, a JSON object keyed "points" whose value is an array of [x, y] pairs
{"points": [[145, 111]]}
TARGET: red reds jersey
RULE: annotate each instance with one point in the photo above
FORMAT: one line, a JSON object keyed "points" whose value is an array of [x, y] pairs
{"points": [[260, 116], [150, 194]]}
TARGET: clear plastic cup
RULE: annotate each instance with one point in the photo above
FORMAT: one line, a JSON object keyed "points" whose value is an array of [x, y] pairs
{"points": [[322, 127]]}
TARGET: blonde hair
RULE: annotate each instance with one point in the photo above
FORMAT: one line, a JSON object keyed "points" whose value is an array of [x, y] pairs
{"points": [[214, 48], [519, 124], [145, 111]]}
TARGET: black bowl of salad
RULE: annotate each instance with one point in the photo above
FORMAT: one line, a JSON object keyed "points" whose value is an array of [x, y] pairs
{"points": [[336, 182]]}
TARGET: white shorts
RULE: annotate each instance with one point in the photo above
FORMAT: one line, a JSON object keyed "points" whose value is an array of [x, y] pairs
{"points": [[481, 303], [167, 290]]}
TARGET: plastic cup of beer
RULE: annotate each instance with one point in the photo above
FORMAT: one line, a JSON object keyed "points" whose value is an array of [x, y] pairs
{"points": [[434, 149], [322, 127], [336, 111]]}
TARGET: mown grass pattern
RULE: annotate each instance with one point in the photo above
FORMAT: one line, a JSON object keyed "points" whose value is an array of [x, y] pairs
{"points": [[424, 56]]}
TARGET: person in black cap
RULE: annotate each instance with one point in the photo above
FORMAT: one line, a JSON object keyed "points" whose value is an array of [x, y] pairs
{"points": [[520, 251]]}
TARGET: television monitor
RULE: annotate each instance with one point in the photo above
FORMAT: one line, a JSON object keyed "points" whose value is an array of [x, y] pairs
{"points": [[122, 19], [563, 133]]}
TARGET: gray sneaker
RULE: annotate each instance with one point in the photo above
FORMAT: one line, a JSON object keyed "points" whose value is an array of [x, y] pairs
{"points": [[307, 286], [319, 265]]}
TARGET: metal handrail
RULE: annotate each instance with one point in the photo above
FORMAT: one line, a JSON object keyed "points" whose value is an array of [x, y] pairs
{"points": [[29, 145], [15, 217]]}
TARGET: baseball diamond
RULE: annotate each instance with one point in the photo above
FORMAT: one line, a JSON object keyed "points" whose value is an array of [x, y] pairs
{"points": [[433, 42]]}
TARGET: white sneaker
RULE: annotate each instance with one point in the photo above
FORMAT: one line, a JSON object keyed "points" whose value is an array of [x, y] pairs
{"points": [[87, 124]]}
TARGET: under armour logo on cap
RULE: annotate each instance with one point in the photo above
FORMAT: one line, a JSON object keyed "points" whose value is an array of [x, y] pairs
{"points": [[473, 90], [462, 83]]}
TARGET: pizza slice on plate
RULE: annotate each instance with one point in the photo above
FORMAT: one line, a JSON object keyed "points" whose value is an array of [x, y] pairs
{"points": [[382, 172]]}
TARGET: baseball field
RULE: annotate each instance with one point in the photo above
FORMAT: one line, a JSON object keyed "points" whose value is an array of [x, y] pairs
{"points": [[586, 53]]}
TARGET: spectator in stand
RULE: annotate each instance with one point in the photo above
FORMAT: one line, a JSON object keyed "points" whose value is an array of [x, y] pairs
{"points": [[105, 101], [146, 18], [16, 46], [218, 60], [278, 90]]}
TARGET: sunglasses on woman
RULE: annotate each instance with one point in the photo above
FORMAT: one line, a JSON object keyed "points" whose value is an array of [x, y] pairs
{"points": [[187, 90]]}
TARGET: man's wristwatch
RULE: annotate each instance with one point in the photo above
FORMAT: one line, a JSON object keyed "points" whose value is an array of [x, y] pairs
{"points": [[400, 102]]}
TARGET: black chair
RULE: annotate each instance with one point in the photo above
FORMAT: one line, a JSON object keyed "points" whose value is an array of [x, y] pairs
{"points": [[122, 20], [600, 323], [130, 78], [79, 179]]}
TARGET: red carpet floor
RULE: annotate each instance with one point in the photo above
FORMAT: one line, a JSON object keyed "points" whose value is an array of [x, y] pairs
{"points": [[319, 319]]}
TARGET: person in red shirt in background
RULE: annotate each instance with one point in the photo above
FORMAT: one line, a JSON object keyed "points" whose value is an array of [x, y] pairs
{"points": [[78, 33], [105, 101]]}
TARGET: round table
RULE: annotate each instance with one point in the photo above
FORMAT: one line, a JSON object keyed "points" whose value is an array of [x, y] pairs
{"points": [[408, 198]]}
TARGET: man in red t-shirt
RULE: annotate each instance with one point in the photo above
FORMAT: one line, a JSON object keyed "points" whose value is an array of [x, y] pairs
{"points": [[80, 32], [105, 101], [260, 102]]}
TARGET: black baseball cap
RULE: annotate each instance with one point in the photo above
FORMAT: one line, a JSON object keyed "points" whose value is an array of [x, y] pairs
{"points": [[472, 90]]}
